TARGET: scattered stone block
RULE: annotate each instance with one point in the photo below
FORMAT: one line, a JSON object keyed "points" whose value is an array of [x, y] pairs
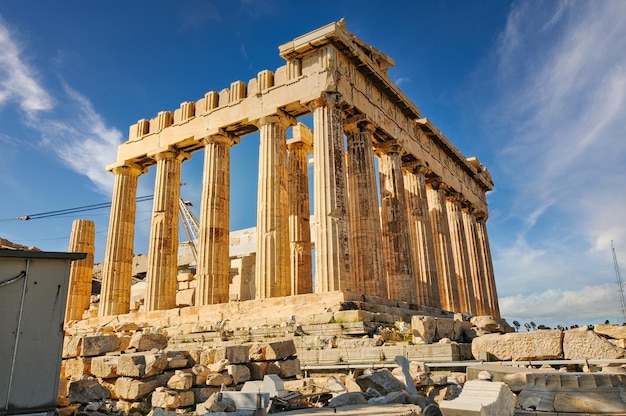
{"points": [[280, 350], [581, 344], [72, 346], [133, 389], [180, 381], [520, 346], [258, 370], [235, 354], [257, 352], [239, 372], [285, 369], [142, 341], [218, 379], [93, 345], [424, 327], [104, 366], [219, 366], [382, 381], [481, 398], [611, 330], [171, 399], [185, 297], [76, 367], [141, 364], [176, 359], [215, 403], [348, 399], [86, 390]]}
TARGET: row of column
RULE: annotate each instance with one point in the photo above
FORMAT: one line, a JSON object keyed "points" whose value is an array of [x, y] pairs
{"points": [[424, 245]]}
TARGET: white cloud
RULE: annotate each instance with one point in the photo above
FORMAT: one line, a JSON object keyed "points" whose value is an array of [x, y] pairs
{"points": [[69, 126], [562, 85], [18, 80]]}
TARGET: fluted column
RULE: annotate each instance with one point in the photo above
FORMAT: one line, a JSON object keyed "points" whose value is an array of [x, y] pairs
{"points": [[366, 237], [82, 240], [401, 283], [163, 246], [448, 290], [421, 235], [300, 210], [476, 261], [213, 267], [460, 255], [332, 244], [272, 229], [488, 267], [118, 255]]}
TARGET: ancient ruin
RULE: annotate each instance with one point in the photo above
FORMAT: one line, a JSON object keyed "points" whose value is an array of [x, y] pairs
{"points": [[426, 245]]}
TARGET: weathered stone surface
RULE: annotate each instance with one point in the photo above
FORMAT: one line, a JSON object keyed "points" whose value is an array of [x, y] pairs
{"points": [[86, 389], [215, 403], [280, 350], [176, 359], [348, 399], [217, 379], [382, 381], [611, 330], [72, 346], [218, 366], [147, 341], [132, 389], [185, 297], [424, 327], [518, 346], [76, 367], [105, 366], [141, 364], [285, 368], [258, 370], [99, 344], [239, 372], [581, 344], [171, 399], [180, 380], [257, 352], [481, 398], [235, 354]]}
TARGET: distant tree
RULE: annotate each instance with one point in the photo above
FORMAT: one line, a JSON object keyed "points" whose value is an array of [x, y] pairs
{"points": [[517, 325]]}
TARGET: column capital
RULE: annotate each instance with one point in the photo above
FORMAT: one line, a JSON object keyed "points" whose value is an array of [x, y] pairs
{"points": [[279, 118], [222, 137], [327, 98], [454, 196], [416, 166], [359, 123], [172, 153], [389, 147], [129, 169], [436, 183]]}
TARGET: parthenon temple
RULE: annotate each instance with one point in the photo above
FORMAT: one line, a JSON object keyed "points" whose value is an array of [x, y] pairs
{"points": [[418, 236]]}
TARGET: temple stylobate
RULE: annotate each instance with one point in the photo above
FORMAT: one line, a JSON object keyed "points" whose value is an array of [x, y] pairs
{"points": [[418, 237]]}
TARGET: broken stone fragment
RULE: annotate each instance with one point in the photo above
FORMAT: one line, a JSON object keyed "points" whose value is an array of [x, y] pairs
{"points": [[141, 364], [104, 366], [285, 369], [348, 399], [180, 380], [142, 341], [216, 403], [280, 350], [171, 399], [86, 389], [382, 381], [132, 389], [93, 345], [581, 344]]}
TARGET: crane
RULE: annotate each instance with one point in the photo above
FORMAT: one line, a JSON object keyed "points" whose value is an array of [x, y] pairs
{"points": [[190, 224]]}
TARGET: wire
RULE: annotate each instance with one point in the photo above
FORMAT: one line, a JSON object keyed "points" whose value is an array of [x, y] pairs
{"points": [[72, 210]]}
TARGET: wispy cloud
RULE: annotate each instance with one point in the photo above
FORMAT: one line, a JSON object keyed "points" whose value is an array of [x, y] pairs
{"points": [[19, 81], [562, 82], [68, 125]]}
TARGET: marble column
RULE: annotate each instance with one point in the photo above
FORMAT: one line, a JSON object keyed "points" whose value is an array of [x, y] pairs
{"points": [[272, 229], [118, 255], [213, 267], [448, 290], [490, 282], [460, 255], [82, 240], [401, 283], [163, 246], [332, 244], [300, 210], [365, 233], [421, 234], [476, 261]]}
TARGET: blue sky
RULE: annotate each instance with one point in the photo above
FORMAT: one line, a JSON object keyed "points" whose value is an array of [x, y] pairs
{"points": [[536, 90]]}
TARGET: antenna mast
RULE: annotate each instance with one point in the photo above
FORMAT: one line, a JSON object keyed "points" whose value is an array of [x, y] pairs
{"points": [[619, 281]]}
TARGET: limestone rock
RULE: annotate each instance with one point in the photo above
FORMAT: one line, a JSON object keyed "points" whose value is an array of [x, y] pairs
{"points": [[611, 330], [142, 341], [77, 367], [141, 364], [280, 350], [257, 352], [239, 372], [171, 399], [132, 389], [348, 399], [519, 346], [180, 381], [104, 366], [235, 354], [258, 370], [580, 344], [382, 381], [99, 344], [424, 327], [216, 403], [176, 359], [85, 390], [286, 368], [481, 398], [218, 379]]}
